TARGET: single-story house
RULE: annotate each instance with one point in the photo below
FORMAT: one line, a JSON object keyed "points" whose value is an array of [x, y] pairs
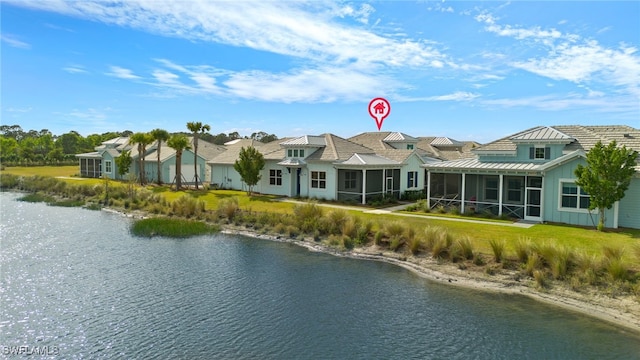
{"points": [[326, 167], [530, 175], [102, 161]]}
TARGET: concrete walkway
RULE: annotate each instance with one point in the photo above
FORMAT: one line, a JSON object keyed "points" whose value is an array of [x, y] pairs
{"points": [[392, 211]]}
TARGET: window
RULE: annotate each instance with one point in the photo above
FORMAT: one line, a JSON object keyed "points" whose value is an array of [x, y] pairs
{"points": [[412, 179], [275, 177], [491, 188], [409, 146], [539, 153], [573, 197], [318, 180], [107, 166], [514, 190], [350, 180], [295, 153]]}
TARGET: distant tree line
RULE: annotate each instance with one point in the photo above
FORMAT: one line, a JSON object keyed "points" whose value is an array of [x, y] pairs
{"points": [[33, 148]]}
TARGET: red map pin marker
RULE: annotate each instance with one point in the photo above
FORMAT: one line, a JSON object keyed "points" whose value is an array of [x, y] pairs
{"points": [[379, 109]]}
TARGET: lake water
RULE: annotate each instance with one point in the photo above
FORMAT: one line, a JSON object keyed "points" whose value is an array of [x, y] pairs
{"points": [[75, 283]]}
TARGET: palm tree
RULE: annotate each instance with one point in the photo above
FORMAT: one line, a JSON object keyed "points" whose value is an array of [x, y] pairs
{"points": [[196, 128], [159, 135], [142, 139], [179, 143]]}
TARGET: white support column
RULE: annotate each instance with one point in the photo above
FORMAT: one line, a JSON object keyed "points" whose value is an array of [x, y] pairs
{"points": [[364, 186], [464, 177], [429, 188], [500, 195]]}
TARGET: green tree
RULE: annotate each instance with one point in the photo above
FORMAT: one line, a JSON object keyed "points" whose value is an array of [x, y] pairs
{"points": [[55, 155], [179, 143], [69, 142], [8, 148], [607, 176], [249, 165], [142, 139], [123, 161], [196, 128], [159, 135]]}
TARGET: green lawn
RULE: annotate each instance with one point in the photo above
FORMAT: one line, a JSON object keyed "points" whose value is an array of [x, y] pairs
{"points": [[54, 171]]}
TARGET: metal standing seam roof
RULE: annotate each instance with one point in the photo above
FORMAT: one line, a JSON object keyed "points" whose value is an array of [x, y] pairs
{"points": [[445, 141], [542, 133], [399, 137], [368, 159], [306, 140], [474, 164]]}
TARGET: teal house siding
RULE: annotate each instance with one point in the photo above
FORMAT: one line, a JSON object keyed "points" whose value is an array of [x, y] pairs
{"points": [[629, 207], [553, 209]]}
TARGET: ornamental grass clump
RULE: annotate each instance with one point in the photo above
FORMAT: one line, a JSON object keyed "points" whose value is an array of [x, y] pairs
{"points": [[522, 249], [461, 249], [169, 227], [336, 219], [440, 248], [228, 208], [308, 216], [187, 206], [498, 248]]}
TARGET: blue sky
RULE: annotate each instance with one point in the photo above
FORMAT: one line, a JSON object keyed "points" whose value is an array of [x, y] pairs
{"points": [[467, 70]]}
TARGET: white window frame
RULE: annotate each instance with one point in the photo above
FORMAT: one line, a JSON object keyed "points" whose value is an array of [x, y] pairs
{"points": [[578, 195], [412, 179], [108, 166], [321, 182], [275, 177]]}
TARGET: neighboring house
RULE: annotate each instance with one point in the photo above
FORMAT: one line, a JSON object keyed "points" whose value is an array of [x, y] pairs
{"points": [[325, 167], [102, 161], [530, 175]]}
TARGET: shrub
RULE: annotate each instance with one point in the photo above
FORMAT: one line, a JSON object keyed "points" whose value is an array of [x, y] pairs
{"points": [[498, 249], [347, 242], [350, 226], [292, 231], [560, 262]]}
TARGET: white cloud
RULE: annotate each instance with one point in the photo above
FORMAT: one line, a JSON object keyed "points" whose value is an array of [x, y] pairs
{"points": [[75, 69], [18, 110], [90, 114], [306, 30], [13, 42], [456, 96], [122, 73]]}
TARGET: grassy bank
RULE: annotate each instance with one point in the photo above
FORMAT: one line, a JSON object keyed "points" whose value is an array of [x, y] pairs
{"points": [[544, 255]]}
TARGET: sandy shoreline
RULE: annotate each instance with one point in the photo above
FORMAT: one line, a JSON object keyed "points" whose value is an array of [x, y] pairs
{"points": [[621, 311]]}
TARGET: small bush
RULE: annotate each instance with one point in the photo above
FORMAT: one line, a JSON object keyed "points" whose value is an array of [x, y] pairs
{"points": [[347, 242], [394, 228], [440, 248], [465, 247], [336, 220], [617, 269], [307, 216], [377, 238]]}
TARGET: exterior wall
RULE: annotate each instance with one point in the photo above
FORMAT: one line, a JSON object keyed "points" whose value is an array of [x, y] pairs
{"points": [[264, 185], [169, 164], [114, 168], [328, 193], [413, 164], [552, 197], [629, 208]]}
